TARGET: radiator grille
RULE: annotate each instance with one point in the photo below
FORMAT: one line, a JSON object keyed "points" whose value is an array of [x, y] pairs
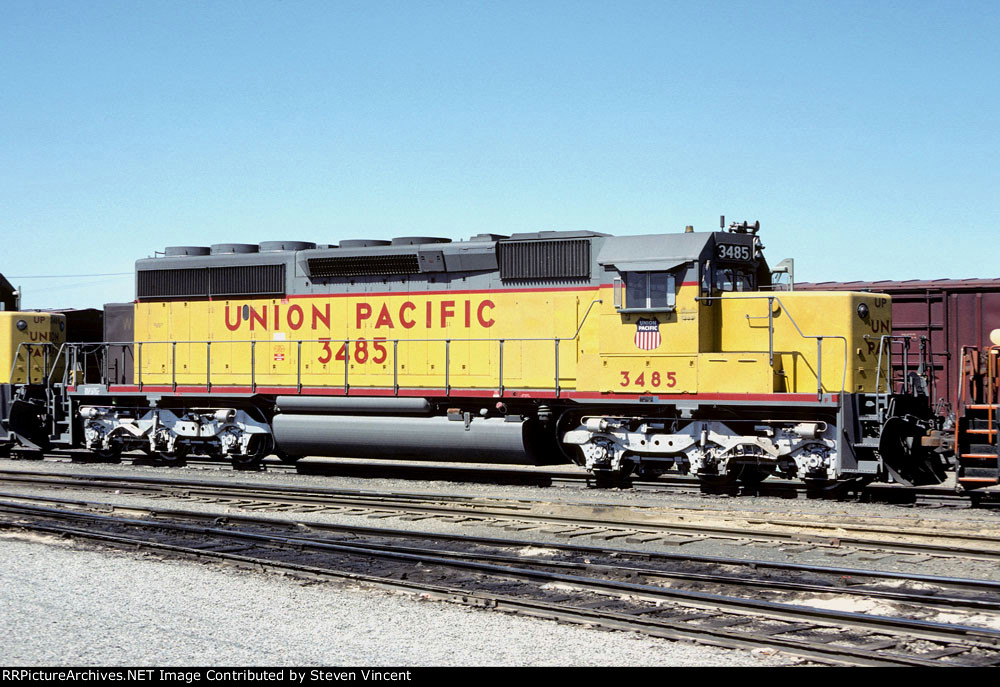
{"points": [[249, 280], [561, 259], [363, 265], [204, 282]]}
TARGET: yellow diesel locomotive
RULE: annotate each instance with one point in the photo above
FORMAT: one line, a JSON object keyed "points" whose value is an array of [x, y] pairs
{"points": [[621, 353]]}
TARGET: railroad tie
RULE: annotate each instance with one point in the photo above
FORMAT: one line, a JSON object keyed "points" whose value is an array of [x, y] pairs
{"points": [[680, 541], [577, 532], [730, 622], [684, 617], [645, 611], [951, 651], [879, 646], [790, 629], [612, 534]]}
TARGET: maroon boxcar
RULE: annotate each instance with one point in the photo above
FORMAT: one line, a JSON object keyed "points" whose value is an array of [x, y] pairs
{"points": [[951, 313]]}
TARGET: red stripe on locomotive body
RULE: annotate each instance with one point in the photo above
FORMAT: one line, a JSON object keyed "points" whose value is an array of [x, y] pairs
{"points": [[469, 393]]}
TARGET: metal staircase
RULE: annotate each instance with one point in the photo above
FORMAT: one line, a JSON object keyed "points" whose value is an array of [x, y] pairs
{"points": [[976, 431]]}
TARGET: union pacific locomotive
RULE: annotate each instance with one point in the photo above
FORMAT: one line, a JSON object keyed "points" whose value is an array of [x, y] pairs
{"points": [[621, 353]]}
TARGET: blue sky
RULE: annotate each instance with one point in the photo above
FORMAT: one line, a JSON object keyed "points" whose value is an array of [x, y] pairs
{"points": [[862, 135]]}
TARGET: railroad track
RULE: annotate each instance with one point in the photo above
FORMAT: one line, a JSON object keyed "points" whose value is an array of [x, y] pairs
{"points": [[635, 524], [661, 595], [933, 497]]}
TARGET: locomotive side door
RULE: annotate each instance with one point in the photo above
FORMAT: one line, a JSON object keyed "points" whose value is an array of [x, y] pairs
{"points": [[649, 333]]}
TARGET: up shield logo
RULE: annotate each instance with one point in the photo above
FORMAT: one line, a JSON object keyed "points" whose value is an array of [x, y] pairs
{"points": [[647, 334]]}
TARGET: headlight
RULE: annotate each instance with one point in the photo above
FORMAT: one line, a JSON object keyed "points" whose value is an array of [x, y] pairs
{"points": [[21, 325], [863, 311]]}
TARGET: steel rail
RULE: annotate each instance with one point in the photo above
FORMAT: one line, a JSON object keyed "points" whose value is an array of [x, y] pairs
{"points": [[860, 589], [711, 636], [988, 586], [919, 629], [540, 477], [468, 506]]}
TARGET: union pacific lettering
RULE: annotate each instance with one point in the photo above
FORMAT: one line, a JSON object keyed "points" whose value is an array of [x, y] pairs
{"points": [[376, 315]]}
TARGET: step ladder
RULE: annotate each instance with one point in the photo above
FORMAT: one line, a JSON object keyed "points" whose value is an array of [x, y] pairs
{"points": [[977, 431], [976, 446]]}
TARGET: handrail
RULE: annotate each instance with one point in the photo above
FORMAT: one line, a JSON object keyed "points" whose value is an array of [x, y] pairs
{"points": [[992, 374], [46, 345], [968, 366], [882, 346], [969, 370], [770, 333], [346, 341]]}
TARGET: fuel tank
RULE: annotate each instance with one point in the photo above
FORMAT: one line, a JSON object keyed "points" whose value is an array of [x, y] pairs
{"points": [[341, 405], [471, 439]]}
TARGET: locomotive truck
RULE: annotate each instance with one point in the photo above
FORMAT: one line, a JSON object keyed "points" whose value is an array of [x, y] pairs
{"points": [[620, 353]]}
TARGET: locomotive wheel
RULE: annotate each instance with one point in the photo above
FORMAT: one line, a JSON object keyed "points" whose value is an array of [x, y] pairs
{"points": [[817, 488], [109, 455], [19, 453], [753, 475], [609, 479], [716, 481], [214, 452], [176, 459], [260, 447]]}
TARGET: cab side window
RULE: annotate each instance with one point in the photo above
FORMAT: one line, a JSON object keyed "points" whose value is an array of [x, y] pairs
{"points": [[732, 280], [648, 291]]}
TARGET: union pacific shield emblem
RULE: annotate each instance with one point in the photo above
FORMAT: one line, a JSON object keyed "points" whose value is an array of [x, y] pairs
{"points": [[647, 334]]}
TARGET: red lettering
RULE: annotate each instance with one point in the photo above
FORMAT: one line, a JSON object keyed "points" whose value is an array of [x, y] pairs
{"points": [[318, 316], [258, 318], [402, 309], [380, 351], [360, 351], [447, 311], [327, 353], [482, 318], [233, 326], [363, 312], [430, 322], [276, 317], [295, 317], [468, 314], [384, 320]]}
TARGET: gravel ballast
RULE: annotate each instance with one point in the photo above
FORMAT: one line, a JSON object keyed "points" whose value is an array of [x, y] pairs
{"points": [[68, 605], [669, 502], [64, 604]]}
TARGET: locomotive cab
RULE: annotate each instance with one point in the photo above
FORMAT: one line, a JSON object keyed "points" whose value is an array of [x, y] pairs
{"points": [[739, 381]]}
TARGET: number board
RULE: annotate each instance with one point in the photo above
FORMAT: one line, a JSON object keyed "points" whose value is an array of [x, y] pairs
{"points": [[733, 252]]}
